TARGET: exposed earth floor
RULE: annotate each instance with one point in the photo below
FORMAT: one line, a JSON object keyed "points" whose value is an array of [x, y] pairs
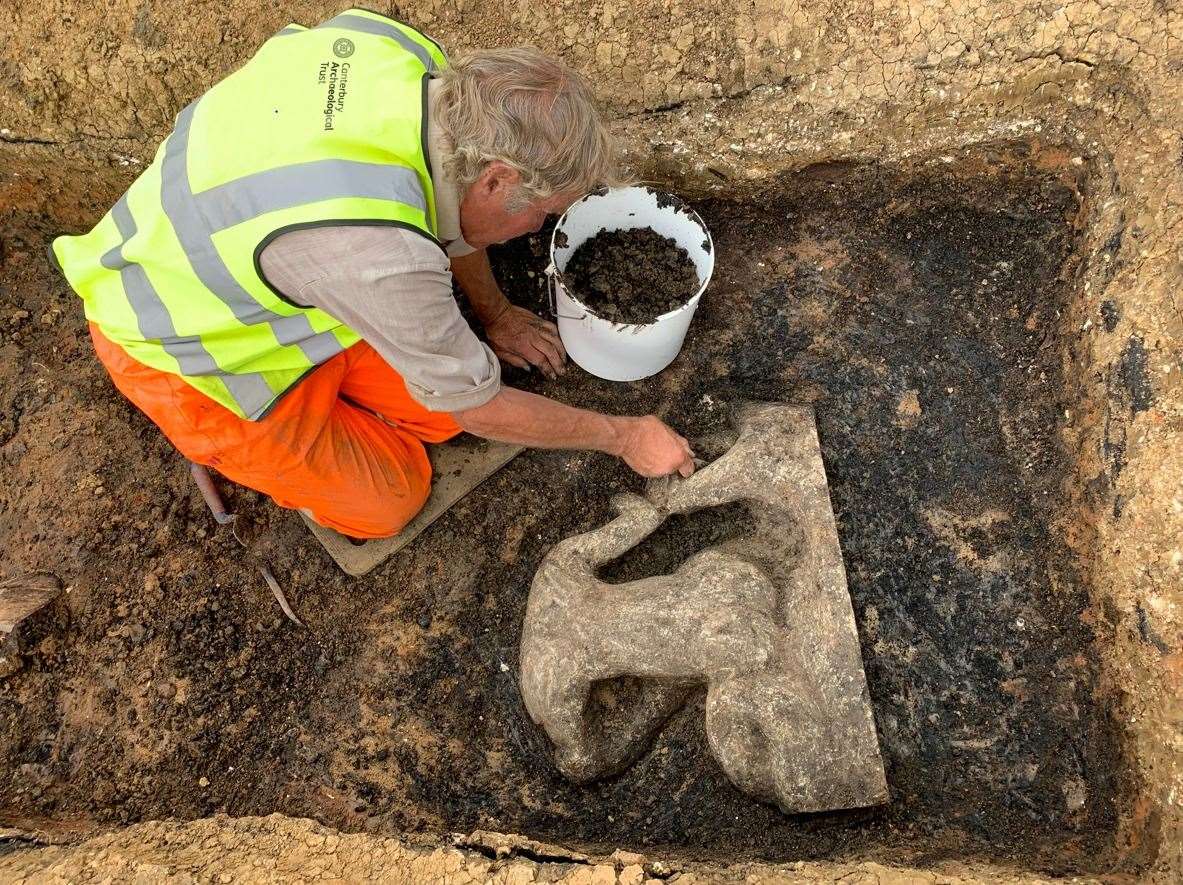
{"points": [[915, 307]]}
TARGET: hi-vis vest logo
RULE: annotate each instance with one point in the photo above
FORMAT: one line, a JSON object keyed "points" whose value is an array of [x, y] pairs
{"points": [[343, 48], [334, 75]]}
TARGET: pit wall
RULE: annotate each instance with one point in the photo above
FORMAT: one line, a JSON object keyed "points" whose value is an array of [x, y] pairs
{"points": [[282, 849], [720, 97]]}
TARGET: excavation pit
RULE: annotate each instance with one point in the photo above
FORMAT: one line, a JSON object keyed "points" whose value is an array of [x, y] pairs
{"points": [[918, 307]]}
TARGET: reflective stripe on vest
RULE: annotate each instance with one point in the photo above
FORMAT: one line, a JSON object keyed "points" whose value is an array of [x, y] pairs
{"points": [[366, 25], [155, 321], [194, 235], [171, 273]]}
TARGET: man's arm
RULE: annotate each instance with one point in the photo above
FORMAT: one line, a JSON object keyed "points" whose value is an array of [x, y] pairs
{"points": [[517, 336], [393, 287], [646, 444]]}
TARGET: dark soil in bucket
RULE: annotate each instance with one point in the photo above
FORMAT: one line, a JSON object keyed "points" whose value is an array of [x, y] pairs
{"points": [[631, 276]]}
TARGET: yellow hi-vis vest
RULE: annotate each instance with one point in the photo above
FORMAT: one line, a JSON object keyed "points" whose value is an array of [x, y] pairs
{"points": [[323, 126]]}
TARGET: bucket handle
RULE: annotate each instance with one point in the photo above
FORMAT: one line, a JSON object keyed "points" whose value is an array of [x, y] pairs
{"points": [[552, 274]]}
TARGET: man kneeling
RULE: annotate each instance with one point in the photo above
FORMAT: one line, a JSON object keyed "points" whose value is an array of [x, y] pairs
{"points": [[274, 291]]}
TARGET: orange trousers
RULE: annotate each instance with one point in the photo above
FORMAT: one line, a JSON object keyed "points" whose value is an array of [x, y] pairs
{"points": [[322, 448]]}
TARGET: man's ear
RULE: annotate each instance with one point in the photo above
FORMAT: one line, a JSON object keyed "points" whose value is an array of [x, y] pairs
{"points": [[500, 177]]}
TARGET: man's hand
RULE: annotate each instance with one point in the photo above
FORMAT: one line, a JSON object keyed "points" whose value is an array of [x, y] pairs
{"points": [[646, 444], [652, 448], [517, 336], [522, 339]]}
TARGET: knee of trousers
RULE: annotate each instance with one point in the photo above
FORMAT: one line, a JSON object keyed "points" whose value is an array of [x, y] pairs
{"points": [[389, 507]]}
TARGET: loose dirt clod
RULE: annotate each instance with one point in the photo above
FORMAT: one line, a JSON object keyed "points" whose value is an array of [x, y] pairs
{"points": [[631, 276]]}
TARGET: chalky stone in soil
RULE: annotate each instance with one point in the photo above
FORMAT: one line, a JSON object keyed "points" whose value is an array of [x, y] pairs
{"points": [[631, 276]]}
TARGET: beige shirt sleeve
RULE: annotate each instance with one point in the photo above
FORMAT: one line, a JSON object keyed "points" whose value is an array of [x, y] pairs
{"points": [[394, 288], [459, 248]]}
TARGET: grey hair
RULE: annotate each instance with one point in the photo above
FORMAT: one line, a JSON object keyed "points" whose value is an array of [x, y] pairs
{"points": [[531, 112]]}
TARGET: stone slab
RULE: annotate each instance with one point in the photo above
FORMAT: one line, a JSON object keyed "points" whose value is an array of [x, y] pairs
{"points": [[764, 621], [458, 466], [19, 599]]}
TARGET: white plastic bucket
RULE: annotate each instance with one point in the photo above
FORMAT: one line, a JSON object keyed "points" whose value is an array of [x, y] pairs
{"points": [[619, 351]]}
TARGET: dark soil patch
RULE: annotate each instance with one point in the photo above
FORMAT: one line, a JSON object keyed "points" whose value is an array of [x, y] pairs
{"points": [[1134, 375], [631, 276], [679, 538], [918, 309]]}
